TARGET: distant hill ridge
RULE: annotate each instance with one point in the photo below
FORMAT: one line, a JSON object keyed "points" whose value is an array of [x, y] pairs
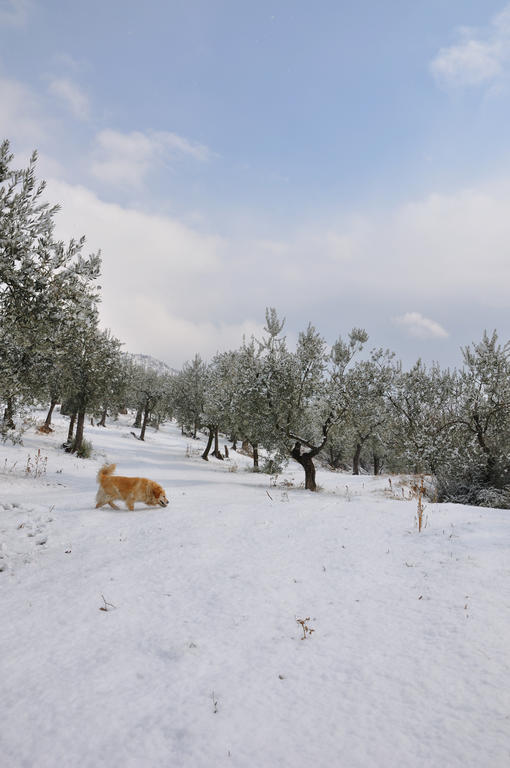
{"points": [[151, 363]]}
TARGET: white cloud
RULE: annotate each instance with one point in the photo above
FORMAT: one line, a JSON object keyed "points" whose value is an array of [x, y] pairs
{"points": [[479, 56], [182, 337], [420, 327], [22, 117], [126, 158], [14, 13], [71, 95], [158, 275], [170, 290], [442, 253]]}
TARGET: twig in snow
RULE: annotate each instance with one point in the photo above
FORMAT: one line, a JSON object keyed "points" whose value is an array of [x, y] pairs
{"points": [[105, 606]]}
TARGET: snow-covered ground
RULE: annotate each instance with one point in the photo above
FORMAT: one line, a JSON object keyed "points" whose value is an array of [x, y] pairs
{"points": [[199, 660]]}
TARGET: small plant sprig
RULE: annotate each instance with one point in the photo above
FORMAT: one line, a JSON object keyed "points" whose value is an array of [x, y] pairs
{"points": [[307, 631], [36, 466], [105, 606], [419, 489]]}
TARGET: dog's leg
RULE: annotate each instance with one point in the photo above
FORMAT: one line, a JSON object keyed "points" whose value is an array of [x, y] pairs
{"points": [[112, 505], [101, 498]]}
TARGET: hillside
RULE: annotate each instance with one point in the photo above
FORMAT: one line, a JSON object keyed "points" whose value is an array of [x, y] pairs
{"points": [[199, 659]]}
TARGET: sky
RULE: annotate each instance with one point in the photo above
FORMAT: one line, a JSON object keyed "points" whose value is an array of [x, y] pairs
{"points": [[347, 163]]}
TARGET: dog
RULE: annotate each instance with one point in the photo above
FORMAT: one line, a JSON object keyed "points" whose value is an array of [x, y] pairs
{"points": [[128, 489]]}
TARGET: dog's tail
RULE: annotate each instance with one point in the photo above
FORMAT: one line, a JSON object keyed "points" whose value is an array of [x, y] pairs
{"points": [[107, 469]]}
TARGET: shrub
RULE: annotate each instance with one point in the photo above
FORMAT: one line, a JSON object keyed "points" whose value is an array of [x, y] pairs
{"points": [[85, 451], [468, 483], [274, 465]]}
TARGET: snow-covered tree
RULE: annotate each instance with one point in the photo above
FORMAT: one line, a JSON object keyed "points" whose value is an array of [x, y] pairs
{"points": [[253, 423], [424, 403], [367, 384], [306, 389], [40, 281], [90, 361], [188, 393], [478, 471], [150, 394]]}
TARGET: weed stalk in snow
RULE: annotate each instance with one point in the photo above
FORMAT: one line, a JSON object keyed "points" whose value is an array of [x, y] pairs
{"points": [[307, 631]]}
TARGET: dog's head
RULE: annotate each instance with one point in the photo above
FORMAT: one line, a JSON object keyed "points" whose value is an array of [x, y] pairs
{"points": [[159, 495]]}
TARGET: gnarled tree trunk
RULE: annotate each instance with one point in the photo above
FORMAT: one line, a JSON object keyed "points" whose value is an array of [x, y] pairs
{"points": [[306, 461], [78, 440], [138, 417], [144, 423], [217, 453], [356, 458], [70, 431], [210, 439], [47, 423], [8, 419]]}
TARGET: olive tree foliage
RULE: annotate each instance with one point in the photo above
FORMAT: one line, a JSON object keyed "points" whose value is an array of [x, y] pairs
{"points": [[478, 470], [113, 380], [235, 404], [423, 402], [253, 423], [90, 366], [305, 390], [150, 393], [41, 282], [358, 440], [188, 395], [219, 398]]}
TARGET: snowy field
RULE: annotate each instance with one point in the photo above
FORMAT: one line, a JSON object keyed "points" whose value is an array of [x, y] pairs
{"points": [[199, 660]]}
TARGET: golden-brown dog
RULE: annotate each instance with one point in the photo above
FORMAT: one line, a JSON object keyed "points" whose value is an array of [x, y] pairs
{"points": [[129, 489]]}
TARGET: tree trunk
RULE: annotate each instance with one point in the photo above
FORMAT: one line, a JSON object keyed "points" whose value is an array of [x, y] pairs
{"points": [[334, 458], [70, 431], [226, 451], [78, 440], [356, 458], [102, 422], [233, 440], [47, 423], [138, 418], [217, 452], [306, 461], [209, 443], [8, 420], [255, 455], [144, 424], [377, 463]]}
